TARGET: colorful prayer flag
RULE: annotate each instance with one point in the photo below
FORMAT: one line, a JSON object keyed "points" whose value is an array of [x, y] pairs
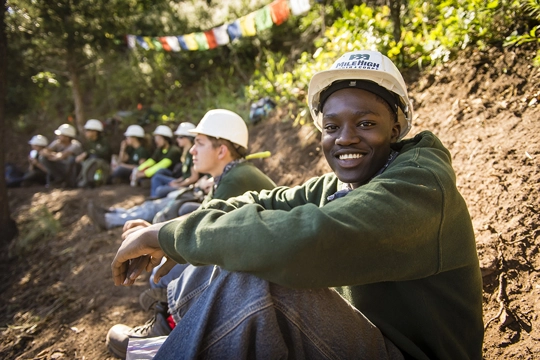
{"points": [[149, 42], [164, 43], [142, 43], [191, 43], [211, 39], [173, 43], [279, 10], [299, 7], [234, 30], [263, 19], [202, 43], [220, 33], [182, 43], [157, 43], [131, 41], [247, 25]]}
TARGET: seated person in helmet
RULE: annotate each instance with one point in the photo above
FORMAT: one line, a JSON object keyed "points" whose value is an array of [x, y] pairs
{"points": [[166, 155], [165, 181], [96, 155], [376, 260], [133, 153], [218, 151], [59, 157], [36, 173]]}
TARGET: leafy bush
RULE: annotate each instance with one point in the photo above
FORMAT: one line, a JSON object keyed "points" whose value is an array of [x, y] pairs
{"points": [[432, 32]]}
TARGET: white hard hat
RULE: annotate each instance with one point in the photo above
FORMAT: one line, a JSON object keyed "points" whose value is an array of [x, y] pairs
{"points": [[163, 130], [362, 65], [66, 130], [39, 140], [223, 124], [183, 129], [135, 131], [93, 124]]}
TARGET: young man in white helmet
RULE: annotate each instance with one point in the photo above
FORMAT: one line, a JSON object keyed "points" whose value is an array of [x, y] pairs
{"points": [[164, 181], [96, 155], [37, 172], [221, 141], [388, 229], [59, 157], [132, 153], [210, 156]]}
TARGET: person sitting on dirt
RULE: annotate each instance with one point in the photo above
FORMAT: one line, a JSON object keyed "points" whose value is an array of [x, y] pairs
{"points": [[220, 145], [132, 154], [94, 160], [166, 155], [388, 229], [59, 157], [37, 172], [164, 181]]}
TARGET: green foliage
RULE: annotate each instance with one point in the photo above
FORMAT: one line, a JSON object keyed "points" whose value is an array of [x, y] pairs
{"points": [[531, 36], [40, 226], [432, 33]]}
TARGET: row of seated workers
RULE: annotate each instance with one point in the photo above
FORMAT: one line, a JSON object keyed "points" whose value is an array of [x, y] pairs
{"points": [[68, 162]]}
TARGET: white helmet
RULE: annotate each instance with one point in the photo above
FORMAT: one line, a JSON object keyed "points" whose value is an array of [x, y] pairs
{"points": [[183, 129], [39, 140], [66, 130], [362, 65], [93, 124], [135, 131], [163, 130], [223, 124]]}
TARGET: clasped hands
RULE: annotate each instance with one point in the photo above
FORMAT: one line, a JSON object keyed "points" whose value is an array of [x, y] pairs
{"points": [[139, 251]]}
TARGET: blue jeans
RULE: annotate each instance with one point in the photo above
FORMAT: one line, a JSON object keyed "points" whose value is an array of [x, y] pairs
{"points": [[145, 211], [232, 315], [159, 183]]}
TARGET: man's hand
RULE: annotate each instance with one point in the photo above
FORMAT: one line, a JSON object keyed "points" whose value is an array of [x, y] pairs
{"points": [[140, 250], [131, 224]]}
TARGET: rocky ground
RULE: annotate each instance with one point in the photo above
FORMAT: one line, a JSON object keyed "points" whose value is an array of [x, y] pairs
{"points": [[57, 299]]}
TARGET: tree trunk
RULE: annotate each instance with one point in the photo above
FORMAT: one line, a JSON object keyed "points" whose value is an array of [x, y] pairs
{"points": [[8, 227], [77, 96], [73, 70], [395, 14]]}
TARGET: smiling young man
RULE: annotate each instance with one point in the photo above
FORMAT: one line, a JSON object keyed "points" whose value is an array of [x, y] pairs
{"points": [[387, 230]]}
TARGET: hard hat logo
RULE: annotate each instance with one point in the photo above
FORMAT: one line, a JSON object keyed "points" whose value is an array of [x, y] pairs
{"points": [[359, 57], [358, 65]]}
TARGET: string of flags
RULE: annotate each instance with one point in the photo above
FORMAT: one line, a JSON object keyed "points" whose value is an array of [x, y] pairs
{"points": [[275, 13]]}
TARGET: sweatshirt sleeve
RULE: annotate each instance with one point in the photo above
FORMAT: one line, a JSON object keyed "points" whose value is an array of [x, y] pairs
{"points": [[386, 230]]}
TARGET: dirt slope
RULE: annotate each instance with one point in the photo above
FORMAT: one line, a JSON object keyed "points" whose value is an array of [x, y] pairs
{"points": [[58, 300]]}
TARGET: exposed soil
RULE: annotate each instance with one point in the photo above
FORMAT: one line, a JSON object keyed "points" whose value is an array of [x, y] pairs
{"points": [[57, 299]]}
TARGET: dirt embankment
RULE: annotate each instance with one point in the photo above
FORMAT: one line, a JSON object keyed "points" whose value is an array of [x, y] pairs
{"points": [[58, 300]]}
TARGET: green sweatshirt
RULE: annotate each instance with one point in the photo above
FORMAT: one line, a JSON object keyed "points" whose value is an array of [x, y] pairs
{"points": [[401, 248], [241, 178], [98, 149]]}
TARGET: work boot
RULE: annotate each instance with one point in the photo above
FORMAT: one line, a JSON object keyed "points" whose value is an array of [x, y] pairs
{"points": [[151, 297], [119, 335], [97, 215]]}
